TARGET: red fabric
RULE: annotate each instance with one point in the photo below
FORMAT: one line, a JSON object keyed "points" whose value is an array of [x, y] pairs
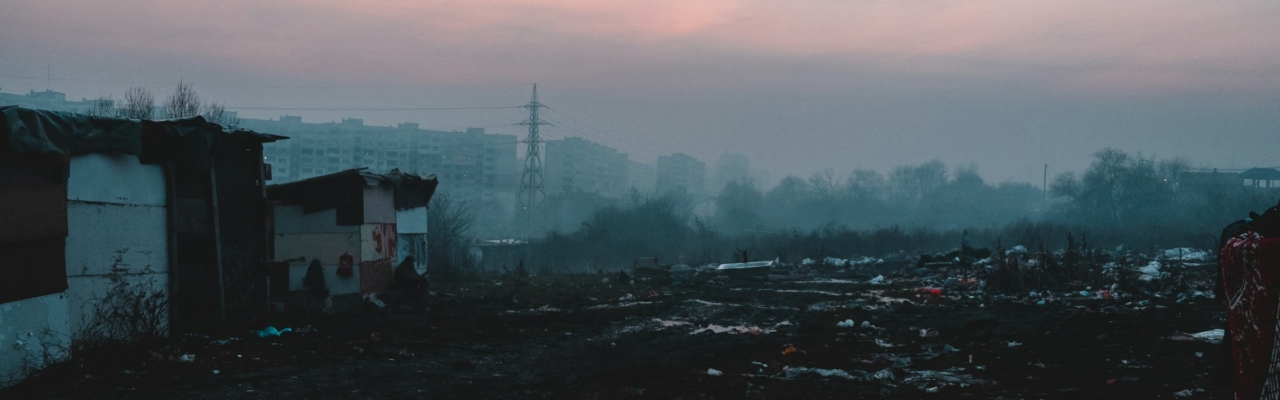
{"points": [[1250, 266]]}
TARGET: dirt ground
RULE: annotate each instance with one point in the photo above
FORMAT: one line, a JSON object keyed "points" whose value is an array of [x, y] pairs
{"points": [[580, 337]]}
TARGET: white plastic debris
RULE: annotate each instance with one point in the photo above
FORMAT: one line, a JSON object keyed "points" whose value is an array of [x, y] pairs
{"points": [[714, 372], [1151, 271], [848, 323], [1183, 393], [1212, 335], [838, 262], [1186, 254], [1014, 344], [825, 373], [187, 358], [878, 280], [373, 298]]}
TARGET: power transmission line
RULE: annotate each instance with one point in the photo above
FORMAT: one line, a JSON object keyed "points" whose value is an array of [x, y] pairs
{"points": [[624, 148], [602, 132], [371, 108], [267, 85], [531, 193]]}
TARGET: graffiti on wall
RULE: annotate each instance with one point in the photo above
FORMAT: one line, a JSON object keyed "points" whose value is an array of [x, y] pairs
{"points": [[384, 240]]}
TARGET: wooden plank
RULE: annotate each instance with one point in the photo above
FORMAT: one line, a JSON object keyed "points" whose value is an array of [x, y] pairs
{"points": [[30, 213]]}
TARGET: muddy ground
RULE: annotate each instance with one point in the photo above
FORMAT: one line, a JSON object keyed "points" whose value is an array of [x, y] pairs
{"points": [[579, 337]]}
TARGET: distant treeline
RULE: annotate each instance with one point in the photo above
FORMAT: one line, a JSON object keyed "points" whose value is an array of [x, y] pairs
{"points": [[1120, 199]]}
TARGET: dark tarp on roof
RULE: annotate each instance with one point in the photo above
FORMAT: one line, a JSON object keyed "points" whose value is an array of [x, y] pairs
{"points": [[1261, 174], [191, 141], [347, 187]]}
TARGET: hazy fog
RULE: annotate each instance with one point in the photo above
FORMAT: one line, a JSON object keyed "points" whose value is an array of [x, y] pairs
{"points": [[798, 86]]}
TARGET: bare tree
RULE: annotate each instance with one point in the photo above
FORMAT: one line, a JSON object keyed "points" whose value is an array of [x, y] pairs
{"points": [[138, 103], [449, 223], [217, 113], [102, 107], [183, 102]]}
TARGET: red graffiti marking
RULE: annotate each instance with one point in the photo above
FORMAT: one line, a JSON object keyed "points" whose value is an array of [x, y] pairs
{"points": [[384, 240]]}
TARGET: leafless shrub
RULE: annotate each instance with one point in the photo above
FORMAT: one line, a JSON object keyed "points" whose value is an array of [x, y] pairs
{"points": [[138, 103], [50, 348], [127, 313], [183, 102], [449, 223], [102, 107], [216, 113]]}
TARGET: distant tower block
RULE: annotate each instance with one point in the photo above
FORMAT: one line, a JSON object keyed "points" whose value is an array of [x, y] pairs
{"points": [[531, 192]]}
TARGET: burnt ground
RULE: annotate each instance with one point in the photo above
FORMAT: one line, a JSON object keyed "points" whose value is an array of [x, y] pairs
{"points": [[576, 337]]}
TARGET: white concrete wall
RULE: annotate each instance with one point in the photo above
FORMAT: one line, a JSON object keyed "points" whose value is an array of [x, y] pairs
{"points": [[411, 225], [327, 247], [116, 230], [379, 204], [115, 178], [413, 220], [317, 236], [33, 332]]}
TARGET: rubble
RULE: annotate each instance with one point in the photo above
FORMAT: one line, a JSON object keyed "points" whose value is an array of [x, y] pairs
{"points": [[865, 330]]}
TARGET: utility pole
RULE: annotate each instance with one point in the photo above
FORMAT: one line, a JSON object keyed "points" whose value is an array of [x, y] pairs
{"points": [[531, 193], [1045, 187]]}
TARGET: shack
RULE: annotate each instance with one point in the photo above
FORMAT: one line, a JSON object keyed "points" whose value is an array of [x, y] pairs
{"points": [[358, 225], [97, 211]]}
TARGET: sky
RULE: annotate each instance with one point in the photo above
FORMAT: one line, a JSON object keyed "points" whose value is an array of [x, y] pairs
{"points": [[799, 86]]}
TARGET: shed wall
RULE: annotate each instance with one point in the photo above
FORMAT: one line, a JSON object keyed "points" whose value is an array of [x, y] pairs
{"points": [[116, 235]]}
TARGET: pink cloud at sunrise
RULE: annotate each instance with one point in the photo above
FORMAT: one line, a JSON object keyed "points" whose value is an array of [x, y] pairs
{"points": [[1149, 45]]}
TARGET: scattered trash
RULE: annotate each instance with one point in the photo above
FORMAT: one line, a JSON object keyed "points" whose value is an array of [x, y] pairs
{"points": [[848, 323], [1014, 344], [791, 350], [373, 299], [187, 358], [1186, 254], [754, 330], [924, 380], [1210, 336], [935, 292], [1183, 393], [1151, 271], [271, 331], [714, 372], [627, 297], [823, 372], [928, 333], [878, 280]]}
